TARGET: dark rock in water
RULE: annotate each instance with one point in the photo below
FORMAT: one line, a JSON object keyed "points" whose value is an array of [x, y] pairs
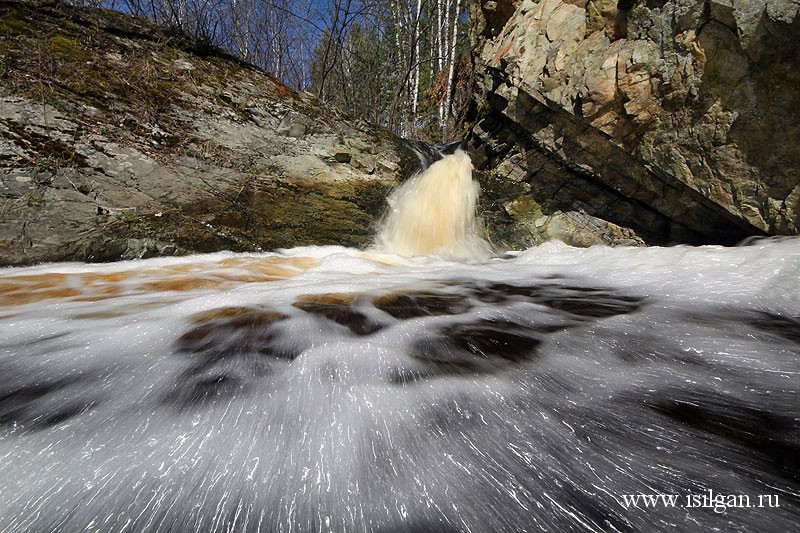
{"points": [[231, 332], [576, 300], [766, 434], [338, 309], [140, 146], [421, 303], [230, 349], [30, 407], [194, 392], [492, 345], [628, 123], [493, 338], [237, 329], [483, 347], [787, 327]]}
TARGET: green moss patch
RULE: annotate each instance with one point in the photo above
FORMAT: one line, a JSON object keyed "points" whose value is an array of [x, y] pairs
{"points": [[263, 218], [66, 48], [13, 23]]}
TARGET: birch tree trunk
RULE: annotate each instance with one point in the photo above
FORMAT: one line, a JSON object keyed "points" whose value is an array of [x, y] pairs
{"points": [[415, 77], [397, 110], [441, 25], [240, 28], [450, 73]]}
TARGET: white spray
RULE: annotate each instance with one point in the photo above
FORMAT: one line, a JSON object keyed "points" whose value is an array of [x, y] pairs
{"points": [[434, 214]]}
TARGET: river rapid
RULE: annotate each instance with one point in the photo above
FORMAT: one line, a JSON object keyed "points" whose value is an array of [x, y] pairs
{"points": [[329, 389], [423, 385]]}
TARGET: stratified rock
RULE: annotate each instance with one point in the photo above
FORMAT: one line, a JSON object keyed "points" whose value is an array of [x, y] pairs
{"points": [[118, 140], [637, 122]]}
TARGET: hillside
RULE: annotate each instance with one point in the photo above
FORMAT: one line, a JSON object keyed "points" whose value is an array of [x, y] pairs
{"points": [[121, 140]]}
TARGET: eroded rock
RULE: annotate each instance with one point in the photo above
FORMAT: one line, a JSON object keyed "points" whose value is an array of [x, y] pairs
{"points": [[632, 122]]}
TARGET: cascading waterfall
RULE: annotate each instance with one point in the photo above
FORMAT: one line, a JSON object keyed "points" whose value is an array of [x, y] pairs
{"points": [[329, 389], [434, 213]]}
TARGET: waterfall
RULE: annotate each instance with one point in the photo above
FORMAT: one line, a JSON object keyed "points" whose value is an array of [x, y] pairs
{"points": [[434, 213]]}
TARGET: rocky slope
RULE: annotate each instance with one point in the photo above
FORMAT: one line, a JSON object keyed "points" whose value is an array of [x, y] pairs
{"points": [[638, 121], [118, 140]]}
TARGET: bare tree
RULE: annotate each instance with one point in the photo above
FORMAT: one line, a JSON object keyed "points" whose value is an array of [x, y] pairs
{"points": [[453, 33], [391, 61]]}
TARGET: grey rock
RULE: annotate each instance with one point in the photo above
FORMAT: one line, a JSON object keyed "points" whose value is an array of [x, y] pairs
{"points": [[294, 125]]}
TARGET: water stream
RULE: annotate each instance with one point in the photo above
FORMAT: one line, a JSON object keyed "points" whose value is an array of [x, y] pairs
{"points": [[331, 389]]}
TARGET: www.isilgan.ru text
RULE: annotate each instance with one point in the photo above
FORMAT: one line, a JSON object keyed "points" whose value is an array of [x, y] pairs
{"points": [[719, 503]]}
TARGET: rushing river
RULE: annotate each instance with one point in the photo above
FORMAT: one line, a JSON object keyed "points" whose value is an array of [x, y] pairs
{"points": [[330, 389]]}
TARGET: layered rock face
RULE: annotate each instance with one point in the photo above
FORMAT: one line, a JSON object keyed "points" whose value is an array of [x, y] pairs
{"points": [[638, 121], [118, 140]]}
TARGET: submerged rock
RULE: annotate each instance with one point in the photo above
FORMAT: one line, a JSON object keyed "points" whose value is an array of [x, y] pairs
{"points": [[131, 143], [637, 122]]}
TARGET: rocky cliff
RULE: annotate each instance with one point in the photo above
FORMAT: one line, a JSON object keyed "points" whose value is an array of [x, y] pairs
{"points": [[637, 121], [594, 121], [118, 140]]}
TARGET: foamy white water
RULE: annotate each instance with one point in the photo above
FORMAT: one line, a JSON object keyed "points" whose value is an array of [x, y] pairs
{"points": [[327, 389], [433, 214]]}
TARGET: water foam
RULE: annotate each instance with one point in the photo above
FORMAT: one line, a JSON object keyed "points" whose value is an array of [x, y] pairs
{"points": [[434, 213]]}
